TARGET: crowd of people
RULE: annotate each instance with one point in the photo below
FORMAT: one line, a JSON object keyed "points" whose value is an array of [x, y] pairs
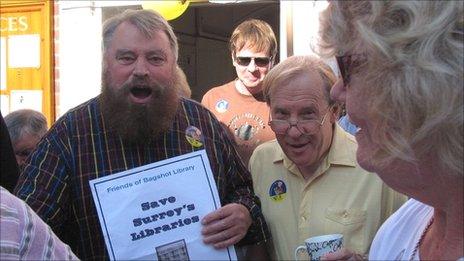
{"points": [[284, 167]]}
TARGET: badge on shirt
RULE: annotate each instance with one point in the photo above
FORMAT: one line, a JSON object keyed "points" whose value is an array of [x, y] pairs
{"points": [[277, 190], [246, 126], [222, 106], [194, 136]]}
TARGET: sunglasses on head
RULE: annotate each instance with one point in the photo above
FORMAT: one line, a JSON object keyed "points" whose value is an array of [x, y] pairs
{"points": [[259, 61], [346, 63]]}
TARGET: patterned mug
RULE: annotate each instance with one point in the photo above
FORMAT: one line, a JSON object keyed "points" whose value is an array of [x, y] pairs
{"points": [[320, 245]]}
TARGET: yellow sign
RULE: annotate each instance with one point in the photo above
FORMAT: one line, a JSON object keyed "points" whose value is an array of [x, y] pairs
{"points": [[13, 24], [168, 9]]}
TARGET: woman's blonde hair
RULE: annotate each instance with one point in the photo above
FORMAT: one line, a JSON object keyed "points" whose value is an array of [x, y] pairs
{"points": [[413, 75]]}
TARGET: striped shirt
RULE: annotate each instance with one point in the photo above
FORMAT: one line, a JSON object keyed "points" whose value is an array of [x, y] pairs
{"points": [[79, 147], [24, 236]]}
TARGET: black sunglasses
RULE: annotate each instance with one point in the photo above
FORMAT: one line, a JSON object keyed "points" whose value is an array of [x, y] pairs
{"points": [[259, 61], [346, 63]]}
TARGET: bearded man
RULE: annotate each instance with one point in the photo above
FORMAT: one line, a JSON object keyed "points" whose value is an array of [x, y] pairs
{"points": [[138, 119]]}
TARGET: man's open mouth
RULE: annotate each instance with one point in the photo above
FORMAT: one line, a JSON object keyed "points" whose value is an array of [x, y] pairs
{"points": [[140, 92]]}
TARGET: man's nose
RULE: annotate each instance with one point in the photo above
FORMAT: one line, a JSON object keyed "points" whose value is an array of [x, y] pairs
{"points": [[293, 131], [252, 66], [140, 68]]}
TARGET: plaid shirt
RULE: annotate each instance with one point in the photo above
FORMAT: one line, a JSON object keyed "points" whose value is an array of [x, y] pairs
{"points": [[79, 147]]}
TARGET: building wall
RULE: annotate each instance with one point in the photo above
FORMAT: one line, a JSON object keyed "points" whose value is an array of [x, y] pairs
{"points": [[78, 54], [26, 79], [299, 29], [203, 33]]}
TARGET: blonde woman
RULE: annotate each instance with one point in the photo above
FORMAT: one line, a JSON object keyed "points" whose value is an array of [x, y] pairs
{"points": [[402, 81]]}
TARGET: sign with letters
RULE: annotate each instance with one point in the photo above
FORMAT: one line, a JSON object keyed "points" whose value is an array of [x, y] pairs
{"points": [[14, 24], [26, 56], [154, 211]]}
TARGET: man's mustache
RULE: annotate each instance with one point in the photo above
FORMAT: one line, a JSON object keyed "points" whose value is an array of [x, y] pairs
{"points": [[155, 87]]}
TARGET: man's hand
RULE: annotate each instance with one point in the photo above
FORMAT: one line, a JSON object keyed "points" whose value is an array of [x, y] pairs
{"points": [[226, 226], [342, 254]]}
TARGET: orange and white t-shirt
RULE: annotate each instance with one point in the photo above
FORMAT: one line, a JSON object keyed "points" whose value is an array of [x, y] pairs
{"points": [[246, 117]]}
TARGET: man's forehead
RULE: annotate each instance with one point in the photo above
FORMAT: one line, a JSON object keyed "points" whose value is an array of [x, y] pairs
{"points": [[306, 83], [300, 105], [128, 36], [250, 47], [127, 29]]}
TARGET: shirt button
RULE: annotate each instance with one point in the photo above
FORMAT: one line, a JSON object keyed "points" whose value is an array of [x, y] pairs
{"points": [[345, 214]]}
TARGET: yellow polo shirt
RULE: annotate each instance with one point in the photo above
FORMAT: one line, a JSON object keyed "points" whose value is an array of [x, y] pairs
{"points": [[340, 198]]}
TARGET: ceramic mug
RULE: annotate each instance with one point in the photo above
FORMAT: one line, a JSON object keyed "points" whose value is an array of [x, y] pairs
{"points": [[316, 247]]}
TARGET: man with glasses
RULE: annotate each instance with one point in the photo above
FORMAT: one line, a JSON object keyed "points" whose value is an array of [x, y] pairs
{"points": [[26, 128], [308, 179], [239, 104]]}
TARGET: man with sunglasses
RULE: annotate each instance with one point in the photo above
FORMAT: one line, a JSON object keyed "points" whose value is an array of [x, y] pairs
{"points": [[308, 180], [239, 104]]}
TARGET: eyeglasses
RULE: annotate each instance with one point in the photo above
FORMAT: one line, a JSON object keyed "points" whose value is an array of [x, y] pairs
{"points": [[259, 61], [306, 127], [346, 63]]}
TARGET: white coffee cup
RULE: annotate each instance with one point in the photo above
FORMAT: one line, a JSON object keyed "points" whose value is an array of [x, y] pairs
{"points": [[320, 245]]}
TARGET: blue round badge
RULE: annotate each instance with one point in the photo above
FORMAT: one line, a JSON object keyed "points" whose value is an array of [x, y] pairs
{"points": [[277, 190], [222, 106]]}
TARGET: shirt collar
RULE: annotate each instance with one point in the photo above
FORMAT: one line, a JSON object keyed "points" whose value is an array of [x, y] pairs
{"points": [[340, 153]]}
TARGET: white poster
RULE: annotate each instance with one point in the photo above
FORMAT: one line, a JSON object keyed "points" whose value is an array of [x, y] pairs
{"points": [[24, 51], [26, 99], [5, 104], [154, 212], [2, 64]]}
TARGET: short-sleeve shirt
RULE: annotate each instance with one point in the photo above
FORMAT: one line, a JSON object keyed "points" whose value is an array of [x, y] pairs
{"points": [[340, 197]]}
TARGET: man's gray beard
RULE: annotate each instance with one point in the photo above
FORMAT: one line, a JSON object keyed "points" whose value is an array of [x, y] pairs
{"points": [[137, 123]]}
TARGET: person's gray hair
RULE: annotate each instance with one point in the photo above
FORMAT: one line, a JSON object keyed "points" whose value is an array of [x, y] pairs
{"points": [[295, 66], [147, 21], [25, 121], [413, 76]]}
